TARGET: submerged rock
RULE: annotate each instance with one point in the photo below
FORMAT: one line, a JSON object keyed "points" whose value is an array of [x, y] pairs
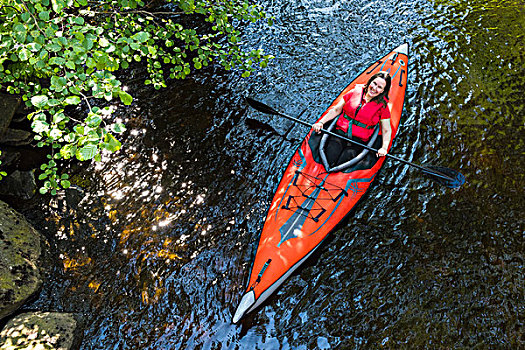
{"points": [[16, 137], [9, 158], [8, 106], [40, 330], [20, 184], [20, 251]]}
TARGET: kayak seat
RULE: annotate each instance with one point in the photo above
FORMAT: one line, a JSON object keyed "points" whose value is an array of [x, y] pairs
{"points": [[351, 162]]}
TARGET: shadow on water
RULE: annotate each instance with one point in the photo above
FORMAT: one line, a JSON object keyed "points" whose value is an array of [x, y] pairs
{"points": [[153, 245]]}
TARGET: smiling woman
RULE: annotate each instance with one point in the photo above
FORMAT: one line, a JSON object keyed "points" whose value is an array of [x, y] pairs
{"points": [[360, 111]]}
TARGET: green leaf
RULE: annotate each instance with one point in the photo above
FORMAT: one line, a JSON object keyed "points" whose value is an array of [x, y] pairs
{"points": [[55, 133], [118, 128], [54, 47], [53, 102], [87, 152], [44, 15], [187, 6], [40, 126], [58, 83], [65, 183], [39, 101], [93, 136], [59, 61], [111, 143], [80, 20], [24, 54], [141, 37], [58, 5], [79, 129], [20, 33], [125, 98], [103, 42], [68, 151], [58, 117], [93, 120], [72, 100]]}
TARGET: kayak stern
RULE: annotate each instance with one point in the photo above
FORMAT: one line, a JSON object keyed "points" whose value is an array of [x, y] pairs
{"points": [[247, 301]]}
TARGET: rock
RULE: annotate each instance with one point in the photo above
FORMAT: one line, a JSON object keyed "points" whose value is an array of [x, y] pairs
{"points": [[20, 277], [20, 118], [40, 330], [8, 158], [8, 106], [15, 137], [20, 184]]}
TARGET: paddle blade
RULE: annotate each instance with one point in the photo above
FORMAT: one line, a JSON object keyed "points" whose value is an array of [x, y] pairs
{"points": [[261, 107], [445, 176]]}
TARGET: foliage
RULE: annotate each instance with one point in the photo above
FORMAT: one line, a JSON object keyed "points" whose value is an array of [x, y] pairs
{"points": [[61, 53]]}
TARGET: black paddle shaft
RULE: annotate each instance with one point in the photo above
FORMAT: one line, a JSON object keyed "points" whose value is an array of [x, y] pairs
{"points": [[269, 110]]}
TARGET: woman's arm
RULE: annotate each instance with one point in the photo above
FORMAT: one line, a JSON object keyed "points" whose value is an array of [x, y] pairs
{"points": [[332, 113], [386, 131]]}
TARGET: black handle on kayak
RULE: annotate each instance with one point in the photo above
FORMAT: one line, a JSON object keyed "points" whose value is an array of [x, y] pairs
{"points": [[448, 177]]}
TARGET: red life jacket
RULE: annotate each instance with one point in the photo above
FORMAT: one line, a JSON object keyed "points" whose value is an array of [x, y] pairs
{"points": [[360, 118]]}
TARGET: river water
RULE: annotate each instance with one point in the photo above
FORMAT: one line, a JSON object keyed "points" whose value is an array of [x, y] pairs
{"points": [[153, 246]]}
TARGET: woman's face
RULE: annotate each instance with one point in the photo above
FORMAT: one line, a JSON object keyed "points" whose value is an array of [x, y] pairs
{"points": [[376, 87]]}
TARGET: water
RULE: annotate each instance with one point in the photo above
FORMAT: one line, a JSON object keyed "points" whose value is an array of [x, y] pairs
{"points": [[153, 248]]}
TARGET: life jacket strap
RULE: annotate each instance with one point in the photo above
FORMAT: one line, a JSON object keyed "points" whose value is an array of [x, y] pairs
{"points": [[352, 122]]}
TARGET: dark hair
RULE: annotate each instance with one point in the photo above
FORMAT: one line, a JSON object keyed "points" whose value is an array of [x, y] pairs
{"points": [[381, 97]]}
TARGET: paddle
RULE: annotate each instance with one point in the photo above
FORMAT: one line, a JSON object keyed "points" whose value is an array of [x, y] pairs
{"points": [[445, 176]]}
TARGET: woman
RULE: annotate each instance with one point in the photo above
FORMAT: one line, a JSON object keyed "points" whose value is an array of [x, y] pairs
{"points": [[360, 110]]}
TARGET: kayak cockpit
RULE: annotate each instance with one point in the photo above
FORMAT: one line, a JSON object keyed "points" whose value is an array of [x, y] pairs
{"points": [[364, 160], [350, 163]]}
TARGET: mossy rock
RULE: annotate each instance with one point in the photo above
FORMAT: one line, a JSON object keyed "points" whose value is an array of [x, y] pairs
{"points": [[20, 276], [40, 330]]}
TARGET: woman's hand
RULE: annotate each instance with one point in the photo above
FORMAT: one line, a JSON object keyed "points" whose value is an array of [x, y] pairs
{"points": [[381, 152], [386, 130], [317, 127]]}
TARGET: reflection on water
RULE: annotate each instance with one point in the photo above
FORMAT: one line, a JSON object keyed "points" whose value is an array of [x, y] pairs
{"points": [[154, 245]]}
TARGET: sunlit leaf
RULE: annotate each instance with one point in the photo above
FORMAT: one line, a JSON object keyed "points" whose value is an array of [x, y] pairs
{"points": [[39, 101], [24, 54], [118, 128], [40, 126], [103, 42], [87, 152], [141, 37], [126, 98], [68, 151], [93, 120], [72, 100], [111, 143]]}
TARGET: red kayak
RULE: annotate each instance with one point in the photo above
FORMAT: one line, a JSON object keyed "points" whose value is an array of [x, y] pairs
{"points": [[313, 198]]}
